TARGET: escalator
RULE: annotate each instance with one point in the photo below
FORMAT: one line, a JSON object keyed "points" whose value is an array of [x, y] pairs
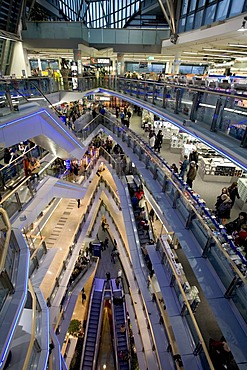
{"points": [[93, 327], [40, 124], [121, 329]]}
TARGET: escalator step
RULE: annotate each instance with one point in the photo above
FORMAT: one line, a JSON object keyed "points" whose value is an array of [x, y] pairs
{"points": [[87, 365]]}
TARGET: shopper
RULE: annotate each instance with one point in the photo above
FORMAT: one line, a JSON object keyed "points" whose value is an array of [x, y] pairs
{"points": [[152, 139], [219, 199], [94, 113], [235, 225], [233, 192], [122, 329], [174, 168], [193, 157], [184, 167], [78, 203], [158, 141], [151, 215], [224, 209], [241, 237], [83, 296], [191, 174], [6, 156], [26, 166], [122, 115]]}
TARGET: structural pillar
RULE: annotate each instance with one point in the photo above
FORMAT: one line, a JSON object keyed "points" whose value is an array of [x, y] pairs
{"points": [[120, 64], [176, 63]]}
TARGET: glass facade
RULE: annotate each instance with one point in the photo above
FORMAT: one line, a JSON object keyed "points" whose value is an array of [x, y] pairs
{"points": [[198, 13]]}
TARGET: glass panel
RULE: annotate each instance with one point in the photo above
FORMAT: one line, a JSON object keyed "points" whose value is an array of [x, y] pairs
{"points": [[192, 5], [222, 10], [198, 19], [3, 293], [209, 14], [189, 23], [237, 7], [182, 24], [184, 7], [201, 3]]}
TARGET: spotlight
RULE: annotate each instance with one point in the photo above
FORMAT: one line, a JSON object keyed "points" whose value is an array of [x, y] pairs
{"points": [[174, 38]]}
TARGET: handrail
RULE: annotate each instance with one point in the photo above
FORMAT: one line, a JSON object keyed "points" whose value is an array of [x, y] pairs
{"points": [[16, 159], [15, 190], [33, 331], [189, 309], [44, 96], [4, 251]]}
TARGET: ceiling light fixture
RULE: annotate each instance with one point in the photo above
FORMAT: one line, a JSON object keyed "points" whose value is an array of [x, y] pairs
{"points": [[238, 45], [221, 56], [226, 51]]}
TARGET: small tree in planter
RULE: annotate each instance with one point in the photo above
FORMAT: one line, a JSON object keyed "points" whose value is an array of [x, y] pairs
{"points": [[75, 328]]}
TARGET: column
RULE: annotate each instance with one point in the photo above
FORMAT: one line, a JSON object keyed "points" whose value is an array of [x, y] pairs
{"points": [[120, 64], [20, 64], [176, 63]]}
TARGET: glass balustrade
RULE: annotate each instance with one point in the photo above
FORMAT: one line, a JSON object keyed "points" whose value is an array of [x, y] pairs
{"points": [[189, 102]]}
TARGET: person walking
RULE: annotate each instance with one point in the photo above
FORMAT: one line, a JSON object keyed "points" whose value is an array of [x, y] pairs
{"points": [[184, 167], [191, 174], [78, 203]]}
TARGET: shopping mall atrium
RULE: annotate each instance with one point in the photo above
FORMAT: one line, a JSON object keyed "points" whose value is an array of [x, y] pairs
{"points": [[123, 186]]}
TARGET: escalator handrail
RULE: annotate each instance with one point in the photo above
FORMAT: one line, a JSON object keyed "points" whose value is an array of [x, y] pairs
{"points": [[47, 100]]}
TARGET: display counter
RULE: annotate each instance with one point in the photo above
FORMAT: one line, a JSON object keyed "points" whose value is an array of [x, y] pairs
{"points": [[242, 191], [218, 169], [191, 292]]}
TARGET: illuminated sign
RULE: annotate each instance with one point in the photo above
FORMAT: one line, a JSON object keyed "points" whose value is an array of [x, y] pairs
{"points": [[105, 61]]}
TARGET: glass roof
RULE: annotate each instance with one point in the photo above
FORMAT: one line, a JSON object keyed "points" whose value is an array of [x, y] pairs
{"points": [[100, 13]]}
